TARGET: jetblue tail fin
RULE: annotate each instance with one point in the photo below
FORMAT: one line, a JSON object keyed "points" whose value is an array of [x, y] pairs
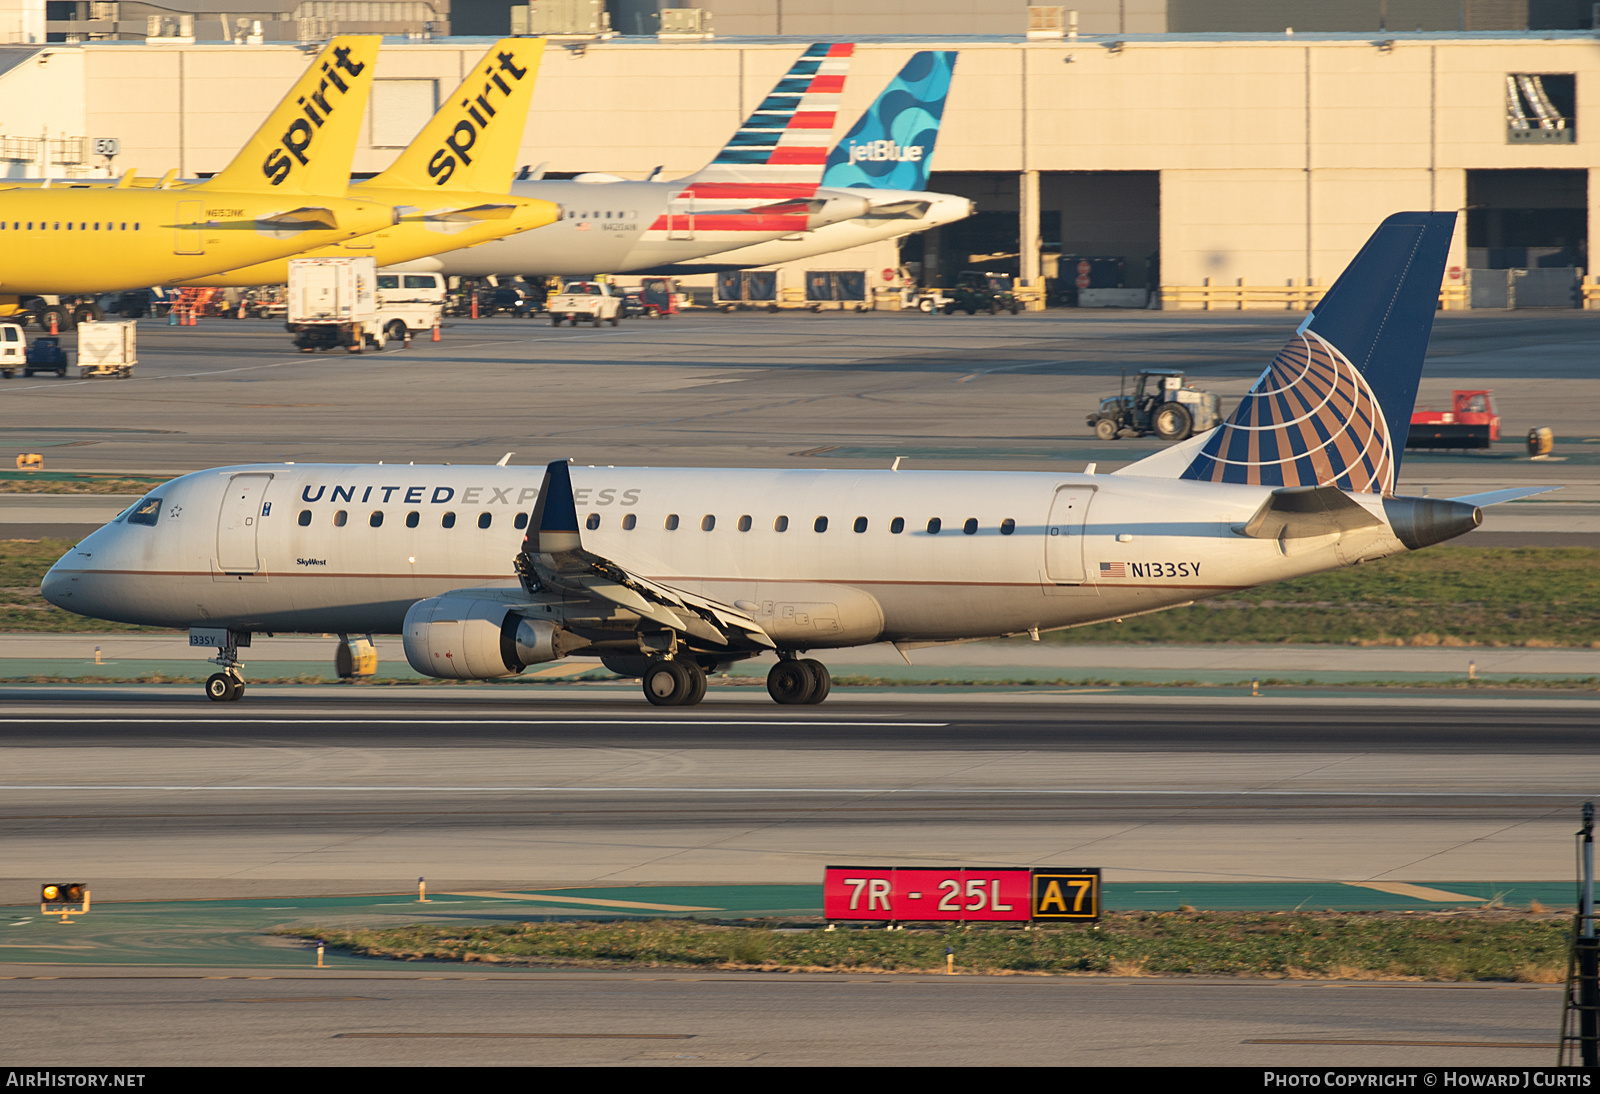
{"points": [[1335, 405], [785, 139], [891, 145]]}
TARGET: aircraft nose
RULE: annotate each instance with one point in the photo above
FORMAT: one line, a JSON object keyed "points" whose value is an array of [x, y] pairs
{"points": [[56, 586]]}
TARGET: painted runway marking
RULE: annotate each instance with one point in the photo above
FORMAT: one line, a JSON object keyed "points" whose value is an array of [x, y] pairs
{"points": [[888, 790], [641, 720]]}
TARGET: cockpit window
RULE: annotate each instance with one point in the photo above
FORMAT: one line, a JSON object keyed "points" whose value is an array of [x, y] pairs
{"points": [[147, 511]]}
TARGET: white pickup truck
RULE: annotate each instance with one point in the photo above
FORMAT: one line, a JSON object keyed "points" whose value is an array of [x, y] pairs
{"points": [[591, 300]]}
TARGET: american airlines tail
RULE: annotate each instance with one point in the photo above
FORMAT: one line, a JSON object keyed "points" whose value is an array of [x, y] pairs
{"points": [[305, 146], [785, 139], [891, 145]]}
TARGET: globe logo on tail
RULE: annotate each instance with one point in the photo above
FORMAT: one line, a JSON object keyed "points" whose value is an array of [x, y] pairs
{"points": [[1311, 419]]}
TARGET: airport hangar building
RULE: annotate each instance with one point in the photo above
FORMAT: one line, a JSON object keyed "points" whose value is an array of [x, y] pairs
{"points": [[1199, 160]]}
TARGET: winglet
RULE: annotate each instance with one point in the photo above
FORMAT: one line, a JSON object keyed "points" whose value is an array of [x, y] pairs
{"points": [[891, 145], [305, 146], [472, 142], [553, 527]]}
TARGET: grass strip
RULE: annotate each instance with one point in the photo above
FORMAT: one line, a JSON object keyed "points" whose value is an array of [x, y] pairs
{"points": [[1516, 947]]}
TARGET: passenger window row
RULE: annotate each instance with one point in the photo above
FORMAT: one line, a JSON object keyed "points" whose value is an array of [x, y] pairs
{"points": [[55, 226], [781, 524], [447, 520]]}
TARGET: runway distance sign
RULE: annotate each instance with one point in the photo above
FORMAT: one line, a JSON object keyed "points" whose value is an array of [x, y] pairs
{"points": [[959, 895]]}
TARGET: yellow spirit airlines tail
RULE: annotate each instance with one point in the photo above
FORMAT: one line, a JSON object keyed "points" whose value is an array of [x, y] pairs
{"points": [[472, 142], [452, 180], [307, 144]]}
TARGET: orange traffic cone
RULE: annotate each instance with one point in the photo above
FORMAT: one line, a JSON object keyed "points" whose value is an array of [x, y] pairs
{"points": [[53, 323], [436, 332]]}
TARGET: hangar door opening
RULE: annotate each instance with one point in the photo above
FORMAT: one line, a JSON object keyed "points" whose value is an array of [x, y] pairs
{"points": [[1527, 219], [1110, 220]]}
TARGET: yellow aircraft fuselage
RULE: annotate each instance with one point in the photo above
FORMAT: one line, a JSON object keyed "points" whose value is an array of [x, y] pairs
{"points": [[441, 222], [83, 240]]}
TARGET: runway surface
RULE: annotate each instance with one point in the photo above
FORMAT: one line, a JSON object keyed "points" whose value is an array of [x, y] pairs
{"points": [[441, 1015], [177, 799]]}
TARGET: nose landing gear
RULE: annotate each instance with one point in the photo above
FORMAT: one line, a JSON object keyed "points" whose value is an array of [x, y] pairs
{"points": [[226, 686]]}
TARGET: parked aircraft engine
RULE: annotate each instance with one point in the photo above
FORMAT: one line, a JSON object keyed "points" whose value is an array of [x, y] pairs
{"points": [[465, 637]]}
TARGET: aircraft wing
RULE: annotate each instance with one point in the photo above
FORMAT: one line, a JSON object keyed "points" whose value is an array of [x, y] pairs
{"points": [[553, 559]]}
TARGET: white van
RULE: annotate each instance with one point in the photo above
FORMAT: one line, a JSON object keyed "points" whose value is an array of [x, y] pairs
{"points": [[410, 288]]}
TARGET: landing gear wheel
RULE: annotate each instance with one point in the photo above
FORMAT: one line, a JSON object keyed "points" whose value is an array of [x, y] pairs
{"points": [[222, 688], [674, 683], [1105, 429], [697, 681], [1172, 422], [821, 680], [790, 683], [87, 313]]}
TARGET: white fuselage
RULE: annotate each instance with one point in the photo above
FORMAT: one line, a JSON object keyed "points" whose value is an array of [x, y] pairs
{"points": [[619, 226], [286, 547], [942, 209]]}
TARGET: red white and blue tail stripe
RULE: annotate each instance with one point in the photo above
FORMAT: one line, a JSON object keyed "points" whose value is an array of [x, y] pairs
{"points": [[787, 137]]}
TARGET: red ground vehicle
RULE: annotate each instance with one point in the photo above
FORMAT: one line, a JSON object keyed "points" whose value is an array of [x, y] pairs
{"points": [[1471, 422], [659, 296]]}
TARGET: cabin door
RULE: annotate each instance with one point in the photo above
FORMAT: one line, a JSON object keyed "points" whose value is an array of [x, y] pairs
{"points": [[239, 523], [1063, 544], [191, 224]]}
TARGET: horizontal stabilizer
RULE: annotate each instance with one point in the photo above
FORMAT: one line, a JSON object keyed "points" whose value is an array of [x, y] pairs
{"points": [[1497, 497], [910, 209], [307, 217], [1300, 512], [474, 213]]}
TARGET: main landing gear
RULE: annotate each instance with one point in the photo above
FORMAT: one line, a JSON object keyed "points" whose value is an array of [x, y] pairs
{"points": [[799, 681], [227, 686], [674, 683], [682, 683]]}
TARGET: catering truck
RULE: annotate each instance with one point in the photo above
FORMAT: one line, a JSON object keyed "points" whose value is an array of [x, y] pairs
{"points": [[343, 302]]}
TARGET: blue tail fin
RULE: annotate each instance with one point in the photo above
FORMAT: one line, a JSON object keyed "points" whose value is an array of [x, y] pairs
{"points": [[1334, 406], [890, 147]]}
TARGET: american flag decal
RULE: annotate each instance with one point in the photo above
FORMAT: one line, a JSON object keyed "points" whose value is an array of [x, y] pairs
{"points": [[1113, 569]]}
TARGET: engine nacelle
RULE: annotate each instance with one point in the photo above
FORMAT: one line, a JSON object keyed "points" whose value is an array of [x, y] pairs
{"points": [[467, 637]]}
